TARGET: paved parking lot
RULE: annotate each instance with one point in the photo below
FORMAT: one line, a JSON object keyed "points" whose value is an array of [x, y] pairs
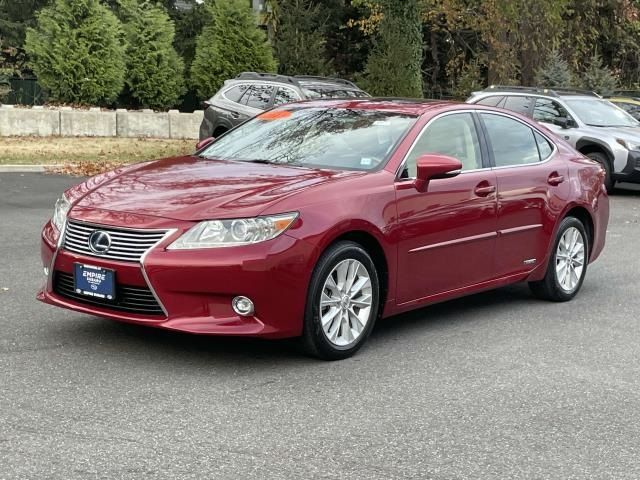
{"points": [[498, 385]]}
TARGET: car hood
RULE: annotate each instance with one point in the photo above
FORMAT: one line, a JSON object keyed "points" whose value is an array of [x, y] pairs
{"points": [[193, 188], [631, 134]]}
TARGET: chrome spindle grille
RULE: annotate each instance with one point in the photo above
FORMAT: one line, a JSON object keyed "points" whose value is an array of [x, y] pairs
{"points": [[126, 245]]}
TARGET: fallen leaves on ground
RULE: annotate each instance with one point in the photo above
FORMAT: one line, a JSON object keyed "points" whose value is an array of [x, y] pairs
{"points": [[83, 169]]}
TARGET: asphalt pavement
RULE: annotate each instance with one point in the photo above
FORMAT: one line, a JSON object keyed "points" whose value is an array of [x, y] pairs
{"points": [[497, 385]]}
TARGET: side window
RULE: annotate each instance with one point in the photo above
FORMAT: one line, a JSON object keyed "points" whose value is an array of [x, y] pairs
{"points": [[519, 104], [544, 147], [512, 142], [285, 95], [490, 101], [548, 111], [260, 96], [235, 94], [454, 135]]}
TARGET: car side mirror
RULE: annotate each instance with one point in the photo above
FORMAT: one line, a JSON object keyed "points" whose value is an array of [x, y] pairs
{"points": [[564, 122], [204, 143], [432, 167]]}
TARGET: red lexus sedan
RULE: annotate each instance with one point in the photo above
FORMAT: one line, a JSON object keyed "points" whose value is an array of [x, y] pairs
{"points": [[315, 219]]}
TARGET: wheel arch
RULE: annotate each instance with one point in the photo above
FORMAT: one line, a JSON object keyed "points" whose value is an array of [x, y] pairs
{"points": [[374, 248], [588, 145], [585, 217], [220, 130]]}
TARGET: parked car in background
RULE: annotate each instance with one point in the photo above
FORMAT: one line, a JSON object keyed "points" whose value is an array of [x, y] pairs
{"points": [[251, 93], [629, 104], [591, 124], [317, 218]]}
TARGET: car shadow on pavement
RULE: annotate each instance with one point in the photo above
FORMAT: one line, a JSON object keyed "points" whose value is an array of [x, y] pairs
{"points": [[148, 344], [627, 190], [453, 312]]}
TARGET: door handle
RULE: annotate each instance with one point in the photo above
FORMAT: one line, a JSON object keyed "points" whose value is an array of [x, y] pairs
{"points": [[483, 189], [555, 179]]}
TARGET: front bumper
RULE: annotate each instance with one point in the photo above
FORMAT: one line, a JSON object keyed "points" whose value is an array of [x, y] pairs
{"points": [[195, 287], [631, 172]]}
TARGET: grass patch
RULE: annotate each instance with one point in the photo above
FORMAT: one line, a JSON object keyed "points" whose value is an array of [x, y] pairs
{"points": [[88, 155]]}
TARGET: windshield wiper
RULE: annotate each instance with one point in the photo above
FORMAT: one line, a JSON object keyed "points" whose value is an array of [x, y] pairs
{"points": [[263, 161], [611, 126], [260, 160]]}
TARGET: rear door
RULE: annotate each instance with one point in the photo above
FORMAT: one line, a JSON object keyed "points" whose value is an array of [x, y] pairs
{"points": [[447, 234], [532, 184]]}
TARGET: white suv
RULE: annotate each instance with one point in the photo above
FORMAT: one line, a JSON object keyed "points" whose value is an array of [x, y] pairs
{"points": [[594, 126]]}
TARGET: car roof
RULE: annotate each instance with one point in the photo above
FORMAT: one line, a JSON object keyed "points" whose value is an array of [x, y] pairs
{"points": [[580, 97], [297, 80], [411, 106], [537, 91]]}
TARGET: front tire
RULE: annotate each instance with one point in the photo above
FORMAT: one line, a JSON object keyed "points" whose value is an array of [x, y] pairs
{"points": [[567, 265], [342, 302]]}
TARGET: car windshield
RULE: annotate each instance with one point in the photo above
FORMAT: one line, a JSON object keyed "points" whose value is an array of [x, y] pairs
{"points": [[334, 138], [601, 113]]}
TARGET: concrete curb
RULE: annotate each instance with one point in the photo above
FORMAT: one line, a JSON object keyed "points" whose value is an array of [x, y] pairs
{"points": [[25, 168]]}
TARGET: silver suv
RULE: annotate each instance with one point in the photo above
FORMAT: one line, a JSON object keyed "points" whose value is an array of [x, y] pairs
{"points": [[594, 126]]}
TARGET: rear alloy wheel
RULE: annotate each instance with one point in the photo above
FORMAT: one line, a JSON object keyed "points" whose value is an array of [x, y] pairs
{"points": [[602, 159], [342, 304], [567, 266]]}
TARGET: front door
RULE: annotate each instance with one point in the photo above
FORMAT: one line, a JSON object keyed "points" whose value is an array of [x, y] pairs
{"points": [[447, 234]]}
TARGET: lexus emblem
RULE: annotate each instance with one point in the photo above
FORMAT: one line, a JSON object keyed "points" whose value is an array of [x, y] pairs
{"points": [[99, 242]]}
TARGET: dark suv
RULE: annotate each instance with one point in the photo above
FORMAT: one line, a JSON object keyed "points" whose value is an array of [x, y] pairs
{"points": [[251, 93]]}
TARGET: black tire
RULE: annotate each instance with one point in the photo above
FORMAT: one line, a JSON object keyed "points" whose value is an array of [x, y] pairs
{"points": [[602, 159], [314, 341], [549, 287]]}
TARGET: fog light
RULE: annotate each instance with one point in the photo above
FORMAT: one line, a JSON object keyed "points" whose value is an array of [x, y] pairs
{"points": [[242, 306], [46, 271]]}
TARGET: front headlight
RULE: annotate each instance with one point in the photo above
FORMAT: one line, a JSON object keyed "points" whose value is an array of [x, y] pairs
{"points": [[631, 146], [232, 233], [60, 212]]}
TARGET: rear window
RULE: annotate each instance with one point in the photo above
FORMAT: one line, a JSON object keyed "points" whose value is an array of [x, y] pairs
{"points": [[235, 94]]}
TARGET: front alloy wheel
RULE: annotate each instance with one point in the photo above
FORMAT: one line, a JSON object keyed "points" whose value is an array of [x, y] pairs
{"points": [[345, 302], [342, 302]]}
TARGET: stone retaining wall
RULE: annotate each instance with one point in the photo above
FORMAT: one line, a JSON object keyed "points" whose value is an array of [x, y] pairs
{"points": [[95, 122]]}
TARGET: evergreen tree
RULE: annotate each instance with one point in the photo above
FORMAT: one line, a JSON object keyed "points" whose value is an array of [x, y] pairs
{"points": [[554, 73], [15, 17], [599, 78], [470, 80], [298, 40], [77, 51], [155, 72], [393, 67], [231, 43]]}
